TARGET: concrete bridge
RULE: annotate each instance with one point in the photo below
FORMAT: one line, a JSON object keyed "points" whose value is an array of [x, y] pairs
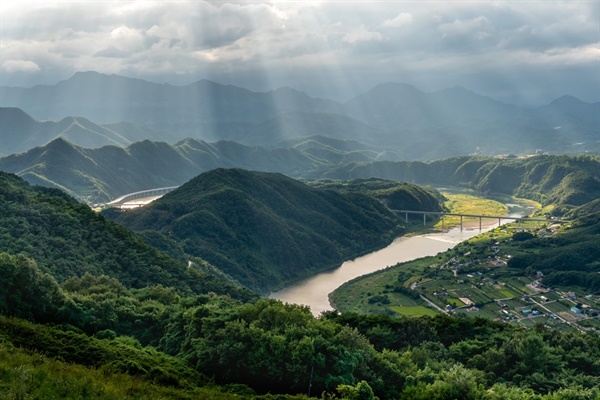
{"points": [[141, 194], [498, 217]]}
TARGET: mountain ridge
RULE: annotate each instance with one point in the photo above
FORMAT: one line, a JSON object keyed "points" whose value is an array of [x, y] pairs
{"points": [[265, 229], [414, 124]]}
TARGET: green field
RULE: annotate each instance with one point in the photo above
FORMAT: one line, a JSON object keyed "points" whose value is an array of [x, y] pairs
{"points": [[556, 307], [454, 302], [412, 311], [411, 280], [506, 293], [460, 203], [497, 292]]}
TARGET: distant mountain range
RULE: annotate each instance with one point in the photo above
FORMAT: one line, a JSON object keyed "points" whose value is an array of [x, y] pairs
{"points": [[413, 124], [102, 174]]}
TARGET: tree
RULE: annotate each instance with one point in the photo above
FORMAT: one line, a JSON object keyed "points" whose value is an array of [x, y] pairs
{"points": [[362, 391], [26, 292]]}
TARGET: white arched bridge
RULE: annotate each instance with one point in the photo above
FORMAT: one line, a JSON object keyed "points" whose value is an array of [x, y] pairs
{"points": [[140, 195]]}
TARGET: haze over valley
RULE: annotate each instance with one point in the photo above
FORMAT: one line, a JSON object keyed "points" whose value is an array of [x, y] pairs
{"points": [[262, 146], [398, 120]]}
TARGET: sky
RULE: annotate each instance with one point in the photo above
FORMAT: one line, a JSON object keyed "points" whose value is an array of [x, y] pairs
{"points": [[522, 52]]}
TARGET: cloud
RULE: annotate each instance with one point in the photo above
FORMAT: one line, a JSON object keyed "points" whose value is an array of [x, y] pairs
{"points": [[303, 43], [112, 52], [362, 35], [463, 27], [20, 66], [400, 20], [126, 39]]}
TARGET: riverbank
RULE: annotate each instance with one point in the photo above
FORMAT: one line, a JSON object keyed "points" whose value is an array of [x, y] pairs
{"points": [[314, 292]]}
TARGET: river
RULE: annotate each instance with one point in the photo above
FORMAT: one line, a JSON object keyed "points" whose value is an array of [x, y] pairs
{"points": [[314, 291]]}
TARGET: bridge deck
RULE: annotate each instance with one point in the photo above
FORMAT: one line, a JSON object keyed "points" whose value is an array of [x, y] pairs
{"points": [[481, 216], [498, 217], [143, 193]]}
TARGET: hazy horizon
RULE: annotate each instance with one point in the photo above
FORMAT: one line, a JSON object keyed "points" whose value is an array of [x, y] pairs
{"points": [[521, 53], [325, 97]]}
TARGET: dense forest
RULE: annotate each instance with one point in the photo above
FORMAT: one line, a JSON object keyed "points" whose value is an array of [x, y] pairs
{"points": [[265, 229], [182, 345], [569, 259], [67, 239], [90, 310]]}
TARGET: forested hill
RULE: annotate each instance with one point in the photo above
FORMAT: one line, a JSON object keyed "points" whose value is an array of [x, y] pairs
{"points": [[67, 239], [571, 259], [85, 336], [102, 174], [99, 175], [564, 181], [265, 229]]}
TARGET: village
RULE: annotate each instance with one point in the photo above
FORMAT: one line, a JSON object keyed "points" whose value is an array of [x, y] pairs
{"points": [[481, 285]]}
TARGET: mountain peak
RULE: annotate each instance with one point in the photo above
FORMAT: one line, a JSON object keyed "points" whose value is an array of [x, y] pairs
{"points": [[567, 100], [459, 89], [396, 86], [86, 74], [15, 115], [60, 144]]}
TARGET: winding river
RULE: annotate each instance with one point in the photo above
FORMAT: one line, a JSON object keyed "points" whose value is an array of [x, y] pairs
{"points": [[314, 291]]}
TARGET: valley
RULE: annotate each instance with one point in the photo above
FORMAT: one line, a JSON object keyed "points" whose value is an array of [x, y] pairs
{"points": [[299, 200], [475, 282], [173, 302], [316, 291], [173, 294]]}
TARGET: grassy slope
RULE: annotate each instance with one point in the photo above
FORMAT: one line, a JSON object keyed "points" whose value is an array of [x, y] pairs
{"points": [[38, 361]]}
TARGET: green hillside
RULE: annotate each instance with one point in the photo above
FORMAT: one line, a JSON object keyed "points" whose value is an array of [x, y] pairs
{"points": [[266, 230], [564, 181], [67, 239], [103, 174], [100, 175], [571, 259]]}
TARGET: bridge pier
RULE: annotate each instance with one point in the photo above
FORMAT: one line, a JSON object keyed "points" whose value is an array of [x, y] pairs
{"points": [[443, 216]]}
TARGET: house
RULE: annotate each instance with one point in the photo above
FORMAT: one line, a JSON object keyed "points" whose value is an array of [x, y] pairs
{"points": [[576, 310]]}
